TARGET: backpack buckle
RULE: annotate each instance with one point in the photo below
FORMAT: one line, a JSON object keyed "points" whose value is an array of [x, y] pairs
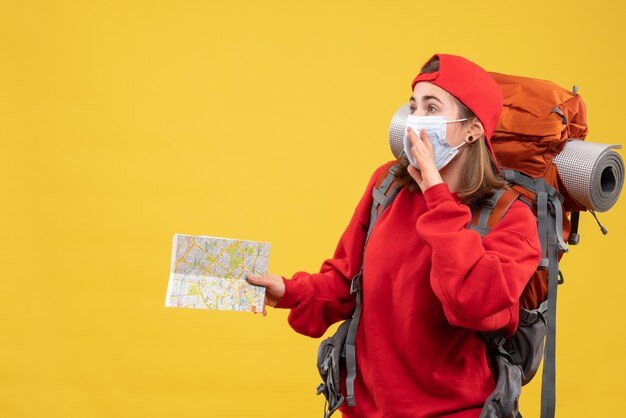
{"points": [[498, 339], [355, 284]]}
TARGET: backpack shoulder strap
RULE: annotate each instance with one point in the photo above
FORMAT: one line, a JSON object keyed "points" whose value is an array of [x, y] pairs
{"points": [[545, 201], [383, 193], [488, 214]]}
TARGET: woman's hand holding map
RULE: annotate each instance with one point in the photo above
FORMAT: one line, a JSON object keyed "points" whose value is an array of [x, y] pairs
{"points": [[274, 288]]}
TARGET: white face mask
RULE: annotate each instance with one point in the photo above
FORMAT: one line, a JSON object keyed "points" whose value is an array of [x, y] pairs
{"points": [[435, 127]]}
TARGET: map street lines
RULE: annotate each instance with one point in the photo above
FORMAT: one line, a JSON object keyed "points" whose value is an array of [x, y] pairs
{"points": [[210, 273]]}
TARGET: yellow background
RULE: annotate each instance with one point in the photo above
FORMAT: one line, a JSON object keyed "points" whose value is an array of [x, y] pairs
{"points": [[124, 122]]}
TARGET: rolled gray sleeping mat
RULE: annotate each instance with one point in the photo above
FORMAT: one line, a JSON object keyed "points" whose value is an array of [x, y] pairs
{"points": [[397, 128], [592, 173]]}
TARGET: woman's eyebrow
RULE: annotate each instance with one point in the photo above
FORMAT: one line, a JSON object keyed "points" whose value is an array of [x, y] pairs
{"points": [[426, 98]]}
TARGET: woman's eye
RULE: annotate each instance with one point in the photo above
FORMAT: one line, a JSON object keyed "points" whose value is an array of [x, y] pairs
{"points": [[412, 109], [432, 109]]}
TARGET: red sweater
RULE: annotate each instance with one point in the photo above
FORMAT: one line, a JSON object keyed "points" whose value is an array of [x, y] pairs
{"points": [[429, 284]]}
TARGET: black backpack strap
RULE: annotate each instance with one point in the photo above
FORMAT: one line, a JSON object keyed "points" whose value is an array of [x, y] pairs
{"points": [[574, 237]]}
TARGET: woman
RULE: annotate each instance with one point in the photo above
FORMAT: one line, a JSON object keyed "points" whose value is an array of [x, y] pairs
{"points": [[430, 284]]}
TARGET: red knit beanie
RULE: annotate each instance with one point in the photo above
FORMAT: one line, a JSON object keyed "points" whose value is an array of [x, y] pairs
{"points": [[472, 85]]}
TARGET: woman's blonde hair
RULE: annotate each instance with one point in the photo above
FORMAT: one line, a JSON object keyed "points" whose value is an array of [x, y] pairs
{"points": [[479, 168]]}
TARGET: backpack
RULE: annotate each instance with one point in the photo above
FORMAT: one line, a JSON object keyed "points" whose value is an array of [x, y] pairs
{"points": [[537, 120]]}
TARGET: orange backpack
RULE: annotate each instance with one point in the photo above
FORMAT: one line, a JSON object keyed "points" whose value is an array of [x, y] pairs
{"points": [[537, 118]]}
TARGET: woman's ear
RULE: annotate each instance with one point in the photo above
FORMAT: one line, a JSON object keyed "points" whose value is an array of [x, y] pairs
{"points": [[475, 132]]}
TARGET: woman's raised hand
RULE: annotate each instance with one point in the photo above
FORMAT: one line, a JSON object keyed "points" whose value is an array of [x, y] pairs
{"points": [[274, 288], [424, 155]]}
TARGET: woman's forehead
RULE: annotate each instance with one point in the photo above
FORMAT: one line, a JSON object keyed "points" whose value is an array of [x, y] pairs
{"points": [[424, 88]]}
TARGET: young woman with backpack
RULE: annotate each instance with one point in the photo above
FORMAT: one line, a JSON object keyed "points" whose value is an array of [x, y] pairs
{"points": [[430, 286]]}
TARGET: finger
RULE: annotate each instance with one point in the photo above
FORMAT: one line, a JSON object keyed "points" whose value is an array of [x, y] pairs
{"points": [[426, 150], [418, 149], [415, 173], [264, 312], [258, 280], [426, 139], [415, 140]]}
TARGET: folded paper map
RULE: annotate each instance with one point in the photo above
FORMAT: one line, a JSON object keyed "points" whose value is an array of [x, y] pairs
{"points": [[210, 273]]}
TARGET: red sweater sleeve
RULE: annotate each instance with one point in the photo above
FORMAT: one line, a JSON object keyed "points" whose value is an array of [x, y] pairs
{"points": [[478, 280], [321, 299]]}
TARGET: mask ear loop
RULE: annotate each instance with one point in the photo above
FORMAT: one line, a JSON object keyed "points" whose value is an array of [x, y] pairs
{"points": [[457, 120], [460, 145], [469, 141]]}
